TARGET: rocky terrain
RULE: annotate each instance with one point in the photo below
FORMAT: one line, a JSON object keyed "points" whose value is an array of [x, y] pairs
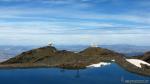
{"points": [[144, 57], [7, 51], [49, 56]]}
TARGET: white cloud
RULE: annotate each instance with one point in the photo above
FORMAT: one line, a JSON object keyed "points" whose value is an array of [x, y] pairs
{"points": [[135, 39], [71, 23], [60, 13]]}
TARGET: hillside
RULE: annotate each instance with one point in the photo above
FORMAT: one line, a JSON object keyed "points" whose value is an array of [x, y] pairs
{"points": [[29, 56], [51, 56], [146, 57], [7, 52]]}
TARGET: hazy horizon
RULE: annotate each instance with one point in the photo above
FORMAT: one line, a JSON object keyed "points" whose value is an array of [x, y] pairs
{"points": [[75, 22]]}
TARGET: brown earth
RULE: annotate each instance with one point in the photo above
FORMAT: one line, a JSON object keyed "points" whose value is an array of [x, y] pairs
{"points": [[49, 56]]}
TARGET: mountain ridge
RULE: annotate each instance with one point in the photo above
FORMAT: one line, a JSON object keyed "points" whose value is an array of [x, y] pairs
{"points": [[49, 56]]}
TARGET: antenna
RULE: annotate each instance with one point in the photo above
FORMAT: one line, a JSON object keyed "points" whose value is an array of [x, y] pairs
{"points": [[50, 44], [94, 45]]}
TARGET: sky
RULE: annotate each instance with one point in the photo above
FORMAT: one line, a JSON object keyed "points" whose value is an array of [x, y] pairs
{"points": [[74, 22]]}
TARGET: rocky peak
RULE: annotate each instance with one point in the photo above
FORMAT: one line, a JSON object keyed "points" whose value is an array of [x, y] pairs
{"points": [[96, 51]]}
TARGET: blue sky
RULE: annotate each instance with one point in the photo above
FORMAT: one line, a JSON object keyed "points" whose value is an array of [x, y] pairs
{"points": [[73, 22]]}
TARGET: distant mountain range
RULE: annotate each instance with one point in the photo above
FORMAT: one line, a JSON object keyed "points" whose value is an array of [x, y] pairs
{"points": [[7, 52]]}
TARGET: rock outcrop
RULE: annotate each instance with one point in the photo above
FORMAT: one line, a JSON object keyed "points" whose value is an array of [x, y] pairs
{"points": [[146, 57]]}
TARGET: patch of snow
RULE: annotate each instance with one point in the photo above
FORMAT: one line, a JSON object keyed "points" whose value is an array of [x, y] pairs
{"points": [[137, 62], [99, 64], [113, 60]]}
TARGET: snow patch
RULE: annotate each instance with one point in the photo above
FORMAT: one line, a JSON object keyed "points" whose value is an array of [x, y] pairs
{"points": [[137, 62], [99, 64], [113, 60]]}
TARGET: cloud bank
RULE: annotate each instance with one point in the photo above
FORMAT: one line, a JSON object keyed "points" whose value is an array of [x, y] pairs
{"points": [[37, 22]]}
